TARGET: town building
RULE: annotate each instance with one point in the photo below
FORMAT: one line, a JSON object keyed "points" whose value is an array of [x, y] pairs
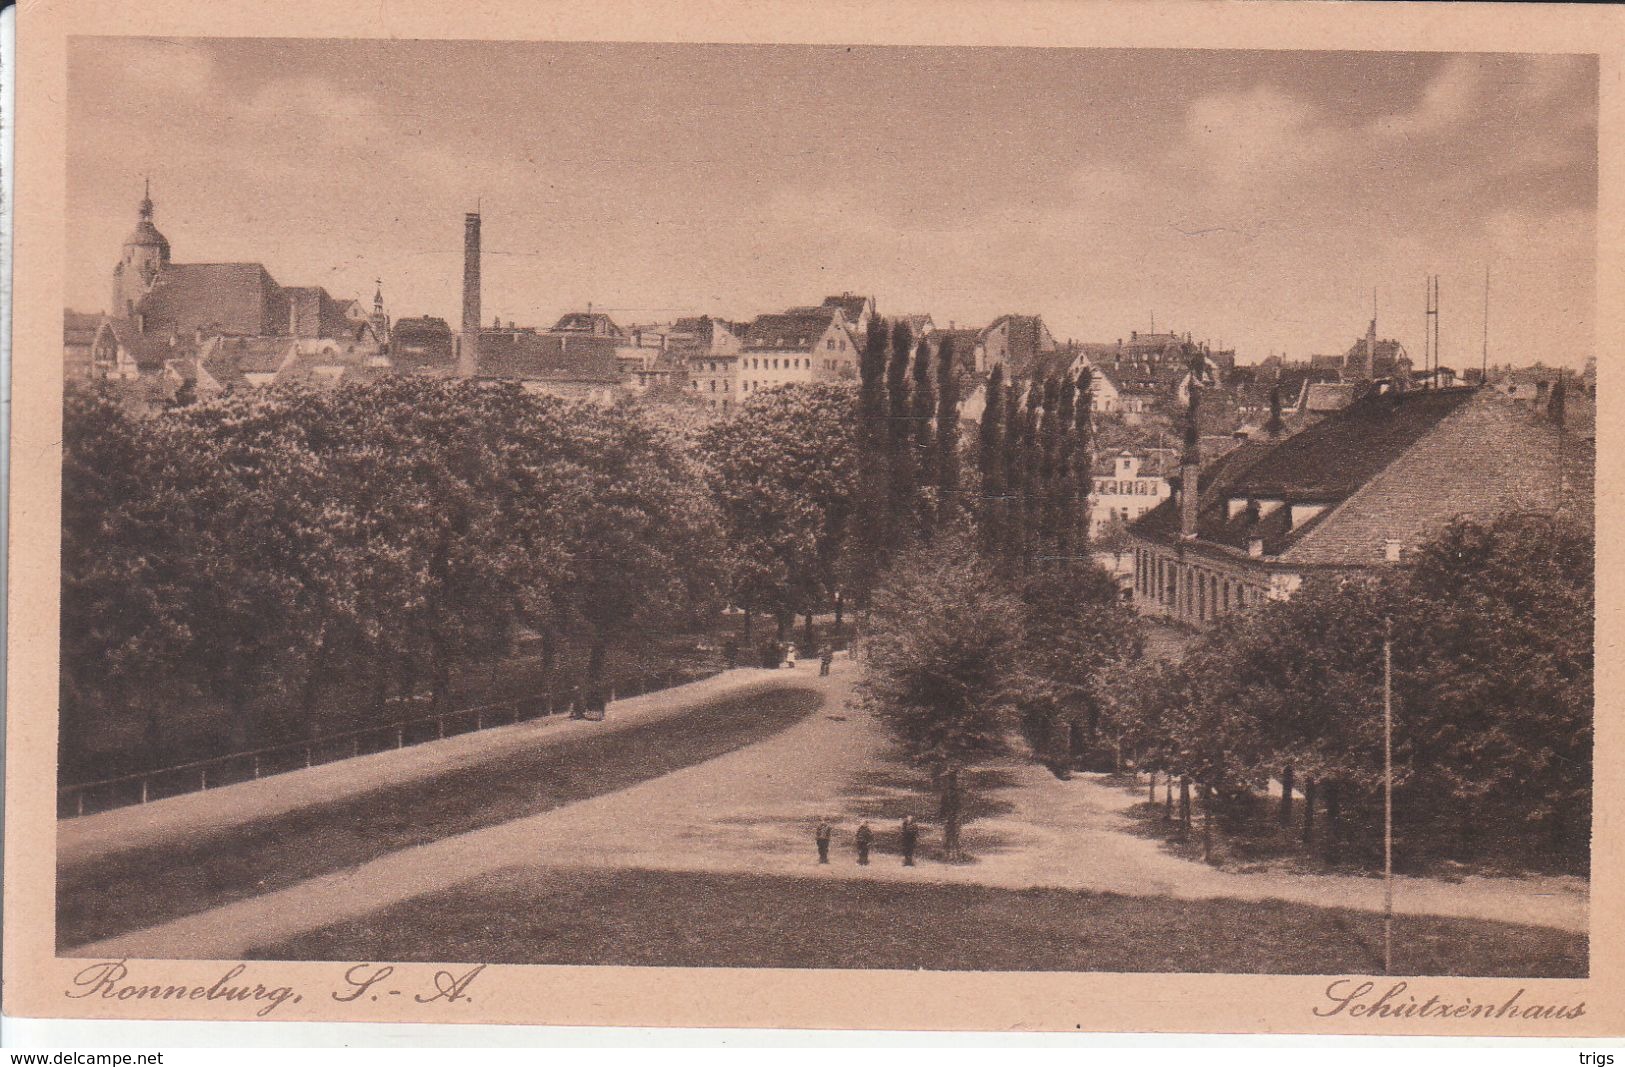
{"points": [[418, 344], [1359, 490], [796, 346], [78, 338], [1126, 486], [573, 365], [167, 317], [1015, 342]]}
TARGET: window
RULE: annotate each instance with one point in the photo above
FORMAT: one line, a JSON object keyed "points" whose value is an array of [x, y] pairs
{"points": [[713, 384], [830, 344]]}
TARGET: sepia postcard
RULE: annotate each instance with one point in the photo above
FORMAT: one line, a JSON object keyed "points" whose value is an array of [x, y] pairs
{"points": [[979, 516]]}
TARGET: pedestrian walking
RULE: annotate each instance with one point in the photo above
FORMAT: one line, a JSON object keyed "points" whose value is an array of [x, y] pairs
{"points": [[790, 657], [822, 836], [576, 709], [865, 838], [825, 658], [911, 840]]}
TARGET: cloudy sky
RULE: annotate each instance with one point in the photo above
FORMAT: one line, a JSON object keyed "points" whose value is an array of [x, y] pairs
{"points": [[1251, 198]]}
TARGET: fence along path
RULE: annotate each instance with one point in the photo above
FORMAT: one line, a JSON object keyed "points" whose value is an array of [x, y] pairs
{"points": [[84, 839], [142, 787]]}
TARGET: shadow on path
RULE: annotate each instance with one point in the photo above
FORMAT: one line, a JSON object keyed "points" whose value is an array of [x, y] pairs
{"points": [[147, 886]]}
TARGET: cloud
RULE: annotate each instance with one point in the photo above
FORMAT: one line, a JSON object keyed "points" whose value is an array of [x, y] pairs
{"points": [[1259, 134]]}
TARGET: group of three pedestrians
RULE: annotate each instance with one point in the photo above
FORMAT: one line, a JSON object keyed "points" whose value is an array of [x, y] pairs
{"points": [[908, 837]]}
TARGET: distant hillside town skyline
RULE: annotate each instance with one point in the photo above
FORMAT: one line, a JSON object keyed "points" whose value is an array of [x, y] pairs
{"points": [[1256, 200]]}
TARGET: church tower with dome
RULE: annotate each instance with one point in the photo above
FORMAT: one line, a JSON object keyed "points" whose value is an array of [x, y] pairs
{"points": [[145, 257]]}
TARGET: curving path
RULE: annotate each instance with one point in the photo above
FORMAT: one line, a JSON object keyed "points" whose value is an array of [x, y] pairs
{"points": [[390, 806]]}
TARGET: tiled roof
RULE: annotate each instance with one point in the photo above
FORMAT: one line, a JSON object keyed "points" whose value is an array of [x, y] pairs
{"points": [[250, 355], [1141, 378], [79, 328], [1329, 396], [583, 322], [236, 298], [150, 351], [795, 329], [524, 355], [851, 306], [420, 342], [1063, 361], [1390, 465]]}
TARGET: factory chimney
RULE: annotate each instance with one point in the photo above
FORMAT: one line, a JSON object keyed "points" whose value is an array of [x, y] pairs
{"points": [[471, 272], [468, 343]]}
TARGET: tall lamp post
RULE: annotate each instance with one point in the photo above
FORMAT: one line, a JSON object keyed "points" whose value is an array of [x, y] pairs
{"points": [[1388, 795]]}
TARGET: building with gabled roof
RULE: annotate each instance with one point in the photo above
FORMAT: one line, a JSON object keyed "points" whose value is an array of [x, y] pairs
{"points": [[1017, 342], [798, 345], [577, 365], [595, 323], [166, 316], [858, 310], [1362, 488], [78, 338]]}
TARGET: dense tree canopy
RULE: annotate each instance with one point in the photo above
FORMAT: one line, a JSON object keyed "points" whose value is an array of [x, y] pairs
{"points": [[254, 549], [784, 470], [1492, 677]]}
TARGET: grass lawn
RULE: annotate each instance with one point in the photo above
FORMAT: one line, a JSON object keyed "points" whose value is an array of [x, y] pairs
{"points": [[143, 887], [680, 919]]}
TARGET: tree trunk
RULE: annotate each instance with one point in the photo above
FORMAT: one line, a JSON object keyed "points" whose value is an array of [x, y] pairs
{"points": [[1286, 795], [1168, 801], [1464, 836], [440, 674], [1207, 824], [380, 687], [812, 647], [550, 656], [783, 622], [1184, 804], [750, 630], [597, 656], [409, 683], [950, 812], [153, 734], [314, 680], [1309, 813], [1151, 797], [838, 606], [1334, 812]]}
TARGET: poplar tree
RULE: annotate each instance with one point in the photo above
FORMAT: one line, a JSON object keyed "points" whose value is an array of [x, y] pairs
{"points": [[1017, 440], [947, 435], [1083, 455], [899, 451], [1041, 471], [922, 408], [1065, 490], [990, 461], [872, 515]]}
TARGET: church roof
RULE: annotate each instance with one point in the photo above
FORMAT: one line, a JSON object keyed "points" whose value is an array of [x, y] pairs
{"points": [[235, 298], [146, 234]]}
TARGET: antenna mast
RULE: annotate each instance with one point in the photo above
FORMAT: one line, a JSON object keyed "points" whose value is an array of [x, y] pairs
{"points": [[1484, 372], [1430, 336]]}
